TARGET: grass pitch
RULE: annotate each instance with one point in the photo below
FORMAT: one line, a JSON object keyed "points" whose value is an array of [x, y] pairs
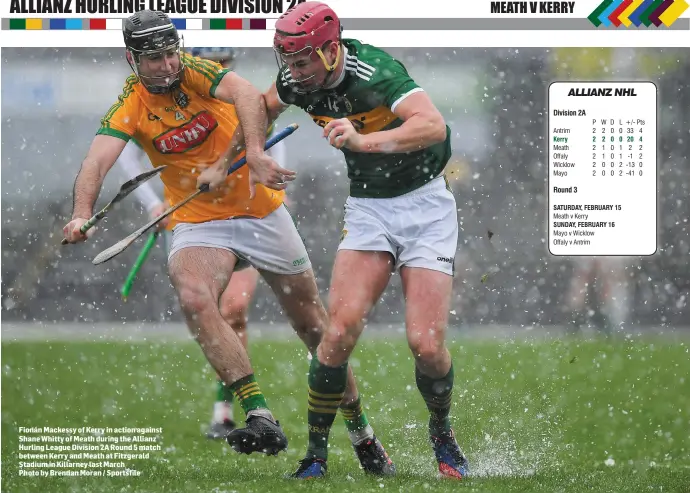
{"points": [[532, 416]]}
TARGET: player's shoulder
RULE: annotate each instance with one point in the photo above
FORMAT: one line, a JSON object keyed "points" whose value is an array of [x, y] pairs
{"points": [[197, 67], [130, 88], [367, 52], [128, 97], [122, 116], [369, 62]]}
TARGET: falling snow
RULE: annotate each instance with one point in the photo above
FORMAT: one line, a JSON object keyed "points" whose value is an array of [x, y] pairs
{"points": [[513, 401]]}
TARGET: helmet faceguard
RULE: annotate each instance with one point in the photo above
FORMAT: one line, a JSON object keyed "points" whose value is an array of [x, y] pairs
{"points": [[305, 31], [225, 56], [151, 34]]}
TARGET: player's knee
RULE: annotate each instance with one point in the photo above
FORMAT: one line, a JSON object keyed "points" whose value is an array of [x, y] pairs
{"points": [[345, 317], [194, 296], [339, 339], [310, 325], [344, 329], [426, 349]]}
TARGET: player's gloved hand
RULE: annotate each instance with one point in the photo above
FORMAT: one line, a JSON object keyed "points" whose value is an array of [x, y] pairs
{"points": [[264, 170], [214, 176], [71, 231], [157, 211], [341, 133]]}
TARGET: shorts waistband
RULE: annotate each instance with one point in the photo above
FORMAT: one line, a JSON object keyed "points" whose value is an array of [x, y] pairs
{"points": [[435, 185]]}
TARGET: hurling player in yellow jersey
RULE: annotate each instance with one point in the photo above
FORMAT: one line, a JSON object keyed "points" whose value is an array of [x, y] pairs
{"points": [[238, 295], [190, 114]]}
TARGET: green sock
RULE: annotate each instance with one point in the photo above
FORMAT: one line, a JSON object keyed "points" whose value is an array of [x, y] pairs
{"points": [[437, 394], [355, 417], [326, 390], [225, 393], [248, 394]]}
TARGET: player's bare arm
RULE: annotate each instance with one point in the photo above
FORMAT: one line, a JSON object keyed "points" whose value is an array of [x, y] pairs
{"points": [[251, 111], [423, 127], [274, 106], [247, 99], [101, 157], [216, 174], [235, 148]]}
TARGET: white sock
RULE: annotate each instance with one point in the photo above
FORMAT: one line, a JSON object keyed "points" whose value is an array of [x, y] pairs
{"points": [[357, 437], [221, 411]]}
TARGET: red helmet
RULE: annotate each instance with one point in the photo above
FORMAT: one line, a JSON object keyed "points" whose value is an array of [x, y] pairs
{"points": [[306, 25], [305, 29]]}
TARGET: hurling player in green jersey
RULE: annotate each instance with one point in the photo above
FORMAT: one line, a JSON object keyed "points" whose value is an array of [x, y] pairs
{"points": [[400, 214]]}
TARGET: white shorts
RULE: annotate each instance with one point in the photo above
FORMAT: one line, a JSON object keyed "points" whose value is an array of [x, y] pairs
{"points": [[272, 244], [419, 228]]}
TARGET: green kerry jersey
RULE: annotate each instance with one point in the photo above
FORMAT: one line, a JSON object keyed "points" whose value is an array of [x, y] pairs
{"points": [[373, 84]]}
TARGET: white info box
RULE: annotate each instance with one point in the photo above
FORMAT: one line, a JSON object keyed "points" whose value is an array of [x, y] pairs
{"points": [[602, 174]]}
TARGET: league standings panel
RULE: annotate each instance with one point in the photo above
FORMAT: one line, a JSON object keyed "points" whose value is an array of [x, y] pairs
{"points": [[378, 245]]}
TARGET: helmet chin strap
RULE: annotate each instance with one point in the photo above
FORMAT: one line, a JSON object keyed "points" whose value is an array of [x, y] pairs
{"points": [[329, 68]]}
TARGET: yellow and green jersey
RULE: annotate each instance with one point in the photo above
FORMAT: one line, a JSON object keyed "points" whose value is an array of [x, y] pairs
{"points": [[186, 137], [374, 84]]}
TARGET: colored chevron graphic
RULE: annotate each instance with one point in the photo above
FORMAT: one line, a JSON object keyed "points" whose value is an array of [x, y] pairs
{"points": [[637, 12], [594, 16], [647, 14], [654, 18], [673, 12], [624, 17], [636, 16], [604, 17], [615, 15]]}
